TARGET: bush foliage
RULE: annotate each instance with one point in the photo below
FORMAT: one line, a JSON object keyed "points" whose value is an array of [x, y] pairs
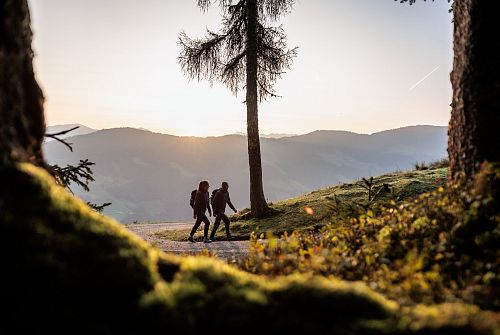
{"points": [[440, 247], [68, 269]]}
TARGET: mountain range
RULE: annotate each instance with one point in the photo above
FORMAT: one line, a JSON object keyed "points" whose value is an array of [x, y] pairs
{"points": [[149, 176], [271, 135], [81, 130]]}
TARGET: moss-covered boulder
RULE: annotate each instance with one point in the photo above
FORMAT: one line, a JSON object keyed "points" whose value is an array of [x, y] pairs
{"points": [[68, 269]]}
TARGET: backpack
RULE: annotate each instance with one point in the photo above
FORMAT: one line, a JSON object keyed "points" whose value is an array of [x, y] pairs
{"points": [[214, 192], [193, 196]]}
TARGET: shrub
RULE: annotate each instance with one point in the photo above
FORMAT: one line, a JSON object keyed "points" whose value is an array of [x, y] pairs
{"points": [[440, 247]]}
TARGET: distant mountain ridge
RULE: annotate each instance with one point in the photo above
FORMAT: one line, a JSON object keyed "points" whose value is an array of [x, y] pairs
{"points": [[271, 135], [148, 176], [81, 130]]}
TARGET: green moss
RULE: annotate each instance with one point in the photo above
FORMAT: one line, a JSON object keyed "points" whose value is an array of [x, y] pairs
{"points": [[67, 269], [290, 215], [457, 319], [61, 256]]}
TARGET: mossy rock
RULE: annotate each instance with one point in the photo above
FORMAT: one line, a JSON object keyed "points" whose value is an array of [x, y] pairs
{"points": [[67, 269]]}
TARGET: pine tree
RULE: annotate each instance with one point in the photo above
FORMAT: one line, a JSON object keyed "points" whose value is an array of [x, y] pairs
{"points": [[247, 53]]}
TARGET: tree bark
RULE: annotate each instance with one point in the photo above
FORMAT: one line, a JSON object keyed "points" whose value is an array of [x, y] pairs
{"points": [[22, 123], [473, 130], [257, 200]]}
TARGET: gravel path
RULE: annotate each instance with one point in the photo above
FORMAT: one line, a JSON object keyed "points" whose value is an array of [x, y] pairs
{"points": [[223, 249]]}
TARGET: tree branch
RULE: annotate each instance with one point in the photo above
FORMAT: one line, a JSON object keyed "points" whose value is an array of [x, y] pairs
{"points": [[64, 132]]}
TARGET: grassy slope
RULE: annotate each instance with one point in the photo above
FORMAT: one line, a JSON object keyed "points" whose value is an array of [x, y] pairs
{"points": [[290, 214], [67, 268]]}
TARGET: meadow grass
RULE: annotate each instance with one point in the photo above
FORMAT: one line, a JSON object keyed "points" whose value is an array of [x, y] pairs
{"points": [[314, 210]]}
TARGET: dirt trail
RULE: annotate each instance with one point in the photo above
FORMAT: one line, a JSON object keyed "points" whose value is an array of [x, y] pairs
{"points": [[224, 249]]}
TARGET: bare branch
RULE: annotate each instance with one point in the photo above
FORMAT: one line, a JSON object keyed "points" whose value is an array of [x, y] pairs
{"points": [[67, 144], [64, 132]]}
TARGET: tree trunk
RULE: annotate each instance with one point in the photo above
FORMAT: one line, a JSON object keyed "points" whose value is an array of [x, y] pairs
{"points": [[473, 130], [257, 200], [22, 123]]}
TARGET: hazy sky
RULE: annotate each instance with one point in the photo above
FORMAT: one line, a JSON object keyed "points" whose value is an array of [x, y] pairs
{"points": [[111, 63]]}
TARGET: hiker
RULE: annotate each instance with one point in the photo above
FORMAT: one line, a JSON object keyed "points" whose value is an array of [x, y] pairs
{"points": [[200, 205], [220, 198]]}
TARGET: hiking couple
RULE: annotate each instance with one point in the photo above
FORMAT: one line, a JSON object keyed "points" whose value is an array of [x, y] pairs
{"points": [[200, 201]]}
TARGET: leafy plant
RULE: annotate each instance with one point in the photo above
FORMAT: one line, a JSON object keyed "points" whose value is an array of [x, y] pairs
{"points": [[440, 247], [354, 208], [373, 193]]}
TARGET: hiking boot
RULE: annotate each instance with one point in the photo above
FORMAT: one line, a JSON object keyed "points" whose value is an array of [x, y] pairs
{"points": [[228, 237], [206, 240], [191, 239]]}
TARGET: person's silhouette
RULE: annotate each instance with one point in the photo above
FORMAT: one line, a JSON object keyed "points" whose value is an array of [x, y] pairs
{"points": [[220, 199], [200, 206]]}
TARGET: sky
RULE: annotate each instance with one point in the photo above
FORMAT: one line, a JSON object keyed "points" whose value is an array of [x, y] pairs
{"points": [[362, 65]]}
